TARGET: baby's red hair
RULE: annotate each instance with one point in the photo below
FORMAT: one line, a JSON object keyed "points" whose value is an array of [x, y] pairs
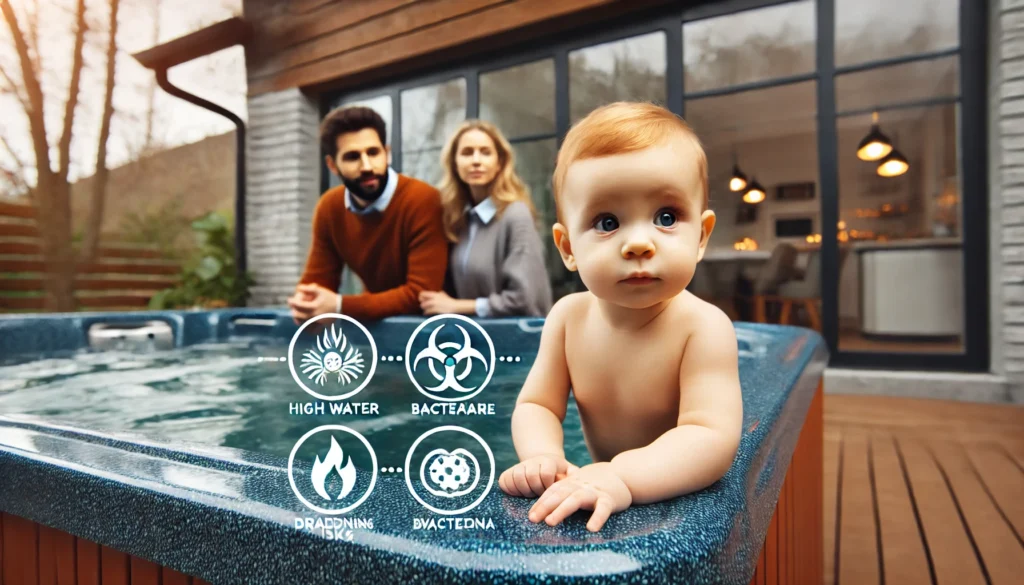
{"points": [[622, 127]]}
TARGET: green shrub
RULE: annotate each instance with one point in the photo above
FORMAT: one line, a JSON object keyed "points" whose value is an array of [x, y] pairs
{"points": [[210, 277]]}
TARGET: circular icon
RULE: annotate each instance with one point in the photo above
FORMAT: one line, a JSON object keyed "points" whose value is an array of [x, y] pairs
{"points": [[333, 361], [449, 472], [455, 356], [336, 461]]}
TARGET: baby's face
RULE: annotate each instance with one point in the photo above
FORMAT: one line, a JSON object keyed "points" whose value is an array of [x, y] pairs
{"points": [[634, 223]]}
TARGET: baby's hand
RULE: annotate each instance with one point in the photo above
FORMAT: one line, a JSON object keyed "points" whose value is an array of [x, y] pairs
{"points": [[530, 478], [594, 487]]}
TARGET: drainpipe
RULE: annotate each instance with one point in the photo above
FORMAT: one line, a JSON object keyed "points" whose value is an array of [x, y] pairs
{"points": [[165, 84]]}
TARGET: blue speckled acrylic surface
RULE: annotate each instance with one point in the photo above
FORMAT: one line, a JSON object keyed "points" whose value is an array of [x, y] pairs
{"points": [[227, 516]]}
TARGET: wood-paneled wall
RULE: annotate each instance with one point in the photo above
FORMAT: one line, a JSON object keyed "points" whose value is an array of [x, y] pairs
{"points": [[323, 44], [793, 552], [33, 554]]}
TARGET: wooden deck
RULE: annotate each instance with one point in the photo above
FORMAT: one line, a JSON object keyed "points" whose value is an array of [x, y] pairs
{"points": [[921, 491]]}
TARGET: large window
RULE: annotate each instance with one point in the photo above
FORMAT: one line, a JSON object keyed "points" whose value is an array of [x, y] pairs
{"points": [[901, 276], [873, 30], [629, 69], [430, 114], [747, 47], [783, 96], [520, 100]]}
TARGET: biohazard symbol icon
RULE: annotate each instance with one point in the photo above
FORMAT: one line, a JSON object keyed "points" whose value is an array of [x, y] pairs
{"points": [[435, 353], [442, 354]]}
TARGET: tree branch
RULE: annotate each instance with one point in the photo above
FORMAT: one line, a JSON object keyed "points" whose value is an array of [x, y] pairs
{"points": [[35, 110], [13, 87], [95, 223], [33, 34], [14, 156], [73, 86]]}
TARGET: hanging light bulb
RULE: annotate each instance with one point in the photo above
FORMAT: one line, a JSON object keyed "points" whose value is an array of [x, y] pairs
{"points": [[755, 194], [738, 182], [893, 165], [875, 145]]}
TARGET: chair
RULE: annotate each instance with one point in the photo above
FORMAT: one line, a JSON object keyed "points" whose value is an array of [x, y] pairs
{"points": [[806, 292], [780, 268]]}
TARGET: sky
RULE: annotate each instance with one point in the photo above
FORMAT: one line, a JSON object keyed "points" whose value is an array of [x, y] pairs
{"points": [[219, 77]]}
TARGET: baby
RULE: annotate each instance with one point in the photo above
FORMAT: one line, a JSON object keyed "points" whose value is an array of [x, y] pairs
{"points": [[654, 369]]}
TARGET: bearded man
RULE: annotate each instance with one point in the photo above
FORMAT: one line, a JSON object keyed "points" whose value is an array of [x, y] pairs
{"points": [[385, 226]]}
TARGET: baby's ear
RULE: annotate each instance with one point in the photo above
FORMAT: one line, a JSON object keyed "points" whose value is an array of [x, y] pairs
{"points": [[707, 225], [561, 236]]}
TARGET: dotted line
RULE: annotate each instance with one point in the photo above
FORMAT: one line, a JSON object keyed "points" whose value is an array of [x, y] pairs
{"points": [[391, 470], [271, 359], [509, 359], [390, 358]]}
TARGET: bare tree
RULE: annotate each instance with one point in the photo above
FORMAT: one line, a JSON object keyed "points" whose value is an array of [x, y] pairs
{"points": [[51, 189], [95, 223]]}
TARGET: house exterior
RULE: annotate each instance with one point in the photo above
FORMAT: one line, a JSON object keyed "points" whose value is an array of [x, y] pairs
{"points": [[921, 280]]}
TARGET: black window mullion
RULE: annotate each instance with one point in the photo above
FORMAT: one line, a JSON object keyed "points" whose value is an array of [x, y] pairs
{"points": [[396, 133], [674, 66], [901, 60], [828, 172], [472, 94], [925, 103], [974, 179], [561, 94]]}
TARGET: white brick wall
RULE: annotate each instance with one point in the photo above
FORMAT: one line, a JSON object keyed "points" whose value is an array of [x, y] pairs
{"points": [[282, 188], [1007, 86]]}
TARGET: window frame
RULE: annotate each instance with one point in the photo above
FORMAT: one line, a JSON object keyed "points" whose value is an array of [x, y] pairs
{"points": [[972, 140]]}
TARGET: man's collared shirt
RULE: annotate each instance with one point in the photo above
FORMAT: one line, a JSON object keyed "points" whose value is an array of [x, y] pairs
{"points": [[481, 214], [381, 203]]}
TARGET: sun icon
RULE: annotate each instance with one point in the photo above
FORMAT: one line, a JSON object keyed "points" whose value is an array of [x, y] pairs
{"points": [[328, 358]]}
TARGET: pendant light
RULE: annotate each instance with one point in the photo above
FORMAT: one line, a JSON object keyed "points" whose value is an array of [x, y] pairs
{"points": [[738, 181], [894, 164], [755, 194], [874, 146]]}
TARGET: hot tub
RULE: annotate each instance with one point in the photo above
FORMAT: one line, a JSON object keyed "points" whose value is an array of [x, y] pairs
{"points": [[163, 457]]}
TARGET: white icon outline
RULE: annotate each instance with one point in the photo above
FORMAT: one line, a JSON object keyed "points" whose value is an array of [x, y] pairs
{"points": [[372, 362], [373, 477], [409, 364], [408, 478]]}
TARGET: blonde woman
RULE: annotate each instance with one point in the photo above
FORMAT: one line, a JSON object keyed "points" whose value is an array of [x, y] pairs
{"points": [[496, 263]]}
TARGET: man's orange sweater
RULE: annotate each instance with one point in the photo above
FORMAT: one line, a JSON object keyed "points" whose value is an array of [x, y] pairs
{"points": [[397, 253]]}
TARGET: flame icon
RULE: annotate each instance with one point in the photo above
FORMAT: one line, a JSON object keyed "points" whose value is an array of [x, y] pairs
{"points": [[321, 469]]}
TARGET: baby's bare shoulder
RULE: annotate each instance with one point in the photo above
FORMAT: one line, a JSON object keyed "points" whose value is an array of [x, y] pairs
{"points": [[704, 320], [569, 307]]}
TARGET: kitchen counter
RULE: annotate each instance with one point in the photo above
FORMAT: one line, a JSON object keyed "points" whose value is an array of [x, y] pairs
{"points": [[911, 288]]}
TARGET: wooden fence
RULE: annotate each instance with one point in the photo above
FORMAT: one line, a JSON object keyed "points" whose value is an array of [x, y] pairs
{"points": [[123, 276]]}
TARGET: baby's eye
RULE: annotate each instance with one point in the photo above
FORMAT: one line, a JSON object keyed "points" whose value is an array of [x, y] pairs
{"points": [[665, 218], [606, 223]]}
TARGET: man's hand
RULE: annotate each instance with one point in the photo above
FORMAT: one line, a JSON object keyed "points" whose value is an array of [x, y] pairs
{"points": [[529, 479], [311, 300], [593, 487], [437, 303]]}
